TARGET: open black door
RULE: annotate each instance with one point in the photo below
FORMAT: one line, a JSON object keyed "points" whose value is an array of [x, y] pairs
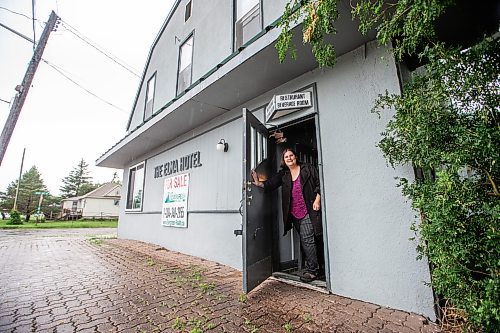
{"points": [[257, 205]]}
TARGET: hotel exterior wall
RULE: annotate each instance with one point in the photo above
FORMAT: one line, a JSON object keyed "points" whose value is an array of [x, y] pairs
{"points": [[208, 236], [367, 219], [214, 196], [272, 10], [213, 32], [371, 256], [211, 24]]}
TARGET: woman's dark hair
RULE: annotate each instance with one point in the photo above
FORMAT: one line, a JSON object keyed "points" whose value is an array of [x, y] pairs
{"points": [[283, 164]]}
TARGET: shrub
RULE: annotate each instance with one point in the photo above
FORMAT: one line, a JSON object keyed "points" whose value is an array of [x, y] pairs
{"points": [[15, 218], [447, 123]]}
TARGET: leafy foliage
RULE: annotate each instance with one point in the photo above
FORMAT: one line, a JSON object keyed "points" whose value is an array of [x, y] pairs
{"points": [[318, 18], [15, 218], [448, 121], [409, 24], [78, 182]]}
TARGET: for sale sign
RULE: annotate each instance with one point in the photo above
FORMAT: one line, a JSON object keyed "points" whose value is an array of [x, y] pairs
{"points": [[175, 199]]}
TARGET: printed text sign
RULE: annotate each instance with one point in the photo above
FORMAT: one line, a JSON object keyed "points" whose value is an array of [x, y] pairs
{"points": [[175, 199]]}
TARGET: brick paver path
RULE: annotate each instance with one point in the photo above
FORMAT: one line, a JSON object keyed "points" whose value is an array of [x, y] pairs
{"points": [[71, 281]]}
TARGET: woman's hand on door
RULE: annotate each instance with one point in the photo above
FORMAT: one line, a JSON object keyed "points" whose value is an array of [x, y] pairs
{"points": [[256, 180]]}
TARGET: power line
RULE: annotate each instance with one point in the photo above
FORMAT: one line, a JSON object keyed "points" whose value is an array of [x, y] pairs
{"points": [[13, 12], [17, 33], [33, 20], [3, 100], [85, 39], [60, 71], [115, 59]]}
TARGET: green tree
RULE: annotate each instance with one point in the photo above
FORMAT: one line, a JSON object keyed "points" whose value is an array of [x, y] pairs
{"points": [[27, 202], [78, 182], [447, 124], [51, 205]]}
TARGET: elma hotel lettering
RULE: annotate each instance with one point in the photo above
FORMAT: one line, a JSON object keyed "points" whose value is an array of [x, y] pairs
{"points": [[184, 163]]}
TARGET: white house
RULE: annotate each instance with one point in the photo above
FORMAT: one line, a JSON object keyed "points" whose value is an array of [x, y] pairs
{"points": [[214, 102], [102, 203]]}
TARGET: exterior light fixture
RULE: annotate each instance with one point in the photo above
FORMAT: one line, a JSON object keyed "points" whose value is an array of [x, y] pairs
{"points": [[222, 145]]}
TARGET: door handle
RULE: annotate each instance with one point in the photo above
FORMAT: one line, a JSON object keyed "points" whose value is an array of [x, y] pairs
{"points": [[255, 232], [241, 207]]}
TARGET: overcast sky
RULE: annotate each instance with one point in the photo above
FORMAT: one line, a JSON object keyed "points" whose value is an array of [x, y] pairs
{"points": [[60, 122]]}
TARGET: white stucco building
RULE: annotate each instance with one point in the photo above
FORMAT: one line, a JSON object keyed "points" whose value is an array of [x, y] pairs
{"points": [[211, 73]]}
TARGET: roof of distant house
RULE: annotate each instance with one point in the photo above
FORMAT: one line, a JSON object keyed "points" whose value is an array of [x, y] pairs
{"points": [[107, 190]]}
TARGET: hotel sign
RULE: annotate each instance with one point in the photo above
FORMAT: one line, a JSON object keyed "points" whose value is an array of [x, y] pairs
{"points": [[184, 163], [281, 105]]}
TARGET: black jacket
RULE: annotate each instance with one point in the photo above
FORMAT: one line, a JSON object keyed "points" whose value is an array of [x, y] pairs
{"points": [[309, 181]]}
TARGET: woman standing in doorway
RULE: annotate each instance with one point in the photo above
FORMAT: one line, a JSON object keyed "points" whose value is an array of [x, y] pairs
{"points": [[301, 202]]}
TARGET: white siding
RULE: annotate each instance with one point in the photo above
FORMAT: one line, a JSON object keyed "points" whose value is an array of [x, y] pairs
{"points": [[100, 207]]}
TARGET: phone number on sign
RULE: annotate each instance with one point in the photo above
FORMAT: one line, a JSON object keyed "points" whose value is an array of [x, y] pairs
{"points": [[173, 212]]}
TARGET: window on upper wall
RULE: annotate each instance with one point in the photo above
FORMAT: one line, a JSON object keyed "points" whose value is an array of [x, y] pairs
{"points": [[185, 61], [135, 187], [248, 21], [150, 94], [187, 13]]}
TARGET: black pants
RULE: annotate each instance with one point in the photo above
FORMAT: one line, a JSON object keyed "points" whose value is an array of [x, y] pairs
{"points": [[309, 244]]}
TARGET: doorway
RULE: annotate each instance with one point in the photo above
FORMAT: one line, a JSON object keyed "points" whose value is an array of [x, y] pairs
{"points": [[288, 261], [266, 251]]}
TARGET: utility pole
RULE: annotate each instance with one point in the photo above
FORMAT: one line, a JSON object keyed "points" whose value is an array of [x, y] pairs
{"points": [[23, 89]]}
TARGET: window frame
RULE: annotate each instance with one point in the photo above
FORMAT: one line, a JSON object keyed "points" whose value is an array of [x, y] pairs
{"points": [[190, 5], [129, 192], [184, 42], [235, 21], [146, 99]]}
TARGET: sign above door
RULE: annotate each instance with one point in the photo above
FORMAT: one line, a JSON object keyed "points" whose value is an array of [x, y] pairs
{"points": [[281, 105]]}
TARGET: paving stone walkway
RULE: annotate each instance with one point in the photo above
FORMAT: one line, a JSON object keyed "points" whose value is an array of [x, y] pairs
{"points": [[84, 281]]}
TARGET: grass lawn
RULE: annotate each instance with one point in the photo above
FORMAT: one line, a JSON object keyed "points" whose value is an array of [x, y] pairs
{"points": [[61, 224]]}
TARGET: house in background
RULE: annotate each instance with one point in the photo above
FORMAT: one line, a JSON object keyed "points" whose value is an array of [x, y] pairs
{"points": [[102, 203]]}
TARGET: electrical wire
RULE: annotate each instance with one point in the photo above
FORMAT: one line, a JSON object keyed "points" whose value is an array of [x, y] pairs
{"points": [[13, 12], [60, 71], [17, 33], [33, 20], [3, 100], [82, 37], [78, 34], [115, 59]]}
